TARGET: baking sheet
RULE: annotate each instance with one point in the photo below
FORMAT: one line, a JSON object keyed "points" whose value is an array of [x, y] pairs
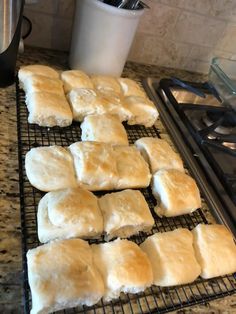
{"points": [[152, 300]]}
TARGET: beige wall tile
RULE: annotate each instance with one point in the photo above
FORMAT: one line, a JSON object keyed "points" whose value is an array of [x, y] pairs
{"points": [[227, 40], [66, 8], [158, 21], [222, 9], [43, 6], [152, 50], [199, 6], [201, 53], [173, 3], [206, 54], [224, 54], [195, 66], [197, 29], [41, 35], [61, 34], [136, 50]]}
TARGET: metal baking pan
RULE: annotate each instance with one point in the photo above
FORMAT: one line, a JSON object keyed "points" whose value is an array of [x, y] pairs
{"points": [[152, 300]]}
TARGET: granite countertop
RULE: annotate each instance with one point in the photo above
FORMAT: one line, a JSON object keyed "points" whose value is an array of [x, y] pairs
{"points": [[10, 226]]}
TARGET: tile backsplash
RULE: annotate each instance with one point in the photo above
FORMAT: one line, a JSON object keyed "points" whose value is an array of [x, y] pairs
{"points": [[174, 33]]}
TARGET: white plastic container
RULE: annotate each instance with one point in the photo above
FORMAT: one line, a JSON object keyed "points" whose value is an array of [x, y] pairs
{"points": [[102, 37]]}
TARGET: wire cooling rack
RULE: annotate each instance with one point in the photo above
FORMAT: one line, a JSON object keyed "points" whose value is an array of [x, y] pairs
{"points": [[152, 300]]}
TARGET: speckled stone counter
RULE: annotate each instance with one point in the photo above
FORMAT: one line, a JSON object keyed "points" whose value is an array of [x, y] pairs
{"points": [[11, 277]]}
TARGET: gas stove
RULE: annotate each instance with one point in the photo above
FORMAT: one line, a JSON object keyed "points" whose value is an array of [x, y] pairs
{"points": [[203, 129]]}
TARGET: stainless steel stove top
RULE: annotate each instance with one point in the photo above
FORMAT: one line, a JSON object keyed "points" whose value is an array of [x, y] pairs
{"points": [[204, 131]]}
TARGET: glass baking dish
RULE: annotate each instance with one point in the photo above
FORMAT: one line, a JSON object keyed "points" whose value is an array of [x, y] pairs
{"points": [[222, 76]]}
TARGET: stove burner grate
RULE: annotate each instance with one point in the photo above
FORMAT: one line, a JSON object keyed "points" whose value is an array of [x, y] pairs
{"points": [[217, 126], [229, 119], [219, 135], [209, 153], [226, 121]]}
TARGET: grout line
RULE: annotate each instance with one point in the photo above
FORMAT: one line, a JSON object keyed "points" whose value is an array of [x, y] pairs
{"points": [[226, 19], [38, 12], [53, 15], [57, 9]]}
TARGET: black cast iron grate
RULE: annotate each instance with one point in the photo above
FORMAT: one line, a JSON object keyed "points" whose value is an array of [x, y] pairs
{"points": [[152, 300]]}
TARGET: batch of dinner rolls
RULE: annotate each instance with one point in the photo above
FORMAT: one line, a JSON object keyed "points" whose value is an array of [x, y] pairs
{"points": [[55, 99], [78, 213], [69, 273], [99, 166], [44, 96], [93, 165], [65, 271]]}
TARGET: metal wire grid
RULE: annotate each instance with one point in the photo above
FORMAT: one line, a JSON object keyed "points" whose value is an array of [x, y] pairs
{"points": [[154, 299]]}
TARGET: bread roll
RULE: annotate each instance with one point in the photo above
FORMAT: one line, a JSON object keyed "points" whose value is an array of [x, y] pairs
{"points": [[95, 165], [69, 213], [125, 213], [39, 83], [130, 87], [50, 168], [215, 250], [177, 191], [62, 275], [75, 79], [106, 83], [123, 266], [105, 128], [115, 104], [84, 102], [48, 109], [158, 154], [143, 111], [172, 257], [29, 70], [133, 171]]}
